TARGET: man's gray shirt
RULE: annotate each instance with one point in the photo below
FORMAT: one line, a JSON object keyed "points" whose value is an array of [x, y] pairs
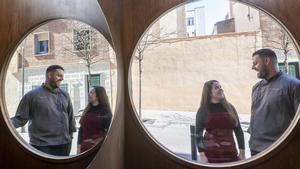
{"points": [[50, 116], [274, 104]]}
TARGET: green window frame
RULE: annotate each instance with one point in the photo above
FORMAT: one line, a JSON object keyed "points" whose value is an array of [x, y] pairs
{"points": [[95, 80], [293, 69]]}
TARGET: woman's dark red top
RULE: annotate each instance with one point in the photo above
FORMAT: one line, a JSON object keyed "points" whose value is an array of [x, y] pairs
{"points": [[218, 142], [93, 127]]}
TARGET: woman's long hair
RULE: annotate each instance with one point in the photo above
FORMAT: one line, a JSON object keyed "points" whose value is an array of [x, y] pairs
{"points": [[102, 99], [206, 100]]}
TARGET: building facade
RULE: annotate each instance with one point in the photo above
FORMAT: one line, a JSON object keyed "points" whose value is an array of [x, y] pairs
{"points": [[85, 54], [175, 68]]}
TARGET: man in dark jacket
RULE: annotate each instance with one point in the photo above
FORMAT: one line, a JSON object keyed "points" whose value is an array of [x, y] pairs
{"points": [[48, 109], [275, 101]]}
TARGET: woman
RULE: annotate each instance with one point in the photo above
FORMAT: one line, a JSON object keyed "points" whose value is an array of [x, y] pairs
{"points": [[95, 120], [219, 119]]}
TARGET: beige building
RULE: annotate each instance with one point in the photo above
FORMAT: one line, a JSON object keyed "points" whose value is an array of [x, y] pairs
{"points": [[175, 69], [172, 23], [173, 73]]}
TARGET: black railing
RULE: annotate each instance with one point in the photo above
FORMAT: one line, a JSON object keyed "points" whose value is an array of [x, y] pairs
{"points": [[193, 143]]}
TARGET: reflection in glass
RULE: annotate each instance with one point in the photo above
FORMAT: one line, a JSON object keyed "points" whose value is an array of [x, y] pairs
{"points": [[95, 120], [194, 43], [86, 56], [275, 100], [49, 111], [219, 119]]}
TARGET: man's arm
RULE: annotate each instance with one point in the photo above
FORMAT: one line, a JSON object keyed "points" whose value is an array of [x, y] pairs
{"points": [[72, 123], [296, 96], [22, 114]]}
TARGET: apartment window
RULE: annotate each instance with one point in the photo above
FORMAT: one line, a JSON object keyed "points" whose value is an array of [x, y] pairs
{"points": [[81, 39], [293, 69], [41, 43], [190, 21], [95, 80]]}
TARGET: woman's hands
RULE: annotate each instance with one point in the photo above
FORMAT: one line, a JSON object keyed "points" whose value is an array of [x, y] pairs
{"points": [[89, 141], [242, 154], [78, 148], [203, 157]]}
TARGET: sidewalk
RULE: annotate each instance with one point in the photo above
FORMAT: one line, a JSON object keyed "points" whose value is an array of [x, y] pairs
{"points": [[172, 130]]}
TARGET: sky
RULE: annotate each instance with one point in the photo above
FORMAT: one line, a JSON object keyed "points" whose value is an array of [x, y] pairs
{"points": [[215, 10]]}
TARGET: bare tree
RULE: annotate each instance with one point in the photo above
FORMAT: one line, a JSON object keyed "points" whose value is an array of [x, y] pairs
{"points": [[276, 37], [283, 44], [87, 44], [150, 40]]}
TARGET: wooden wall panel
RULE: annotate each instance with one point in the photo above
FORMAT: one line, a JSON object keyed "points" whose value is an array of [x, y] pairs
{"points": [[17, 18], [111, 154], [140, 150], [127, 145]]}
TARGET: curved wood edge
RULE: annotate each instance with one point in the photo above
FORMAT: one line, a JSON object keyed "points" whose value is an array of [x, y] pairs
{"points": [[16, 19], [140, 150], [111, 154]]}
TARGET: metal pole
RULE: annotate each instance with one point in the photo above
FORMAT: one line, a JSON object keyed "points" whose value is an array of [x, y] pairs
{"points": [[23, 77], [140, 84], [193, 143], [111, 67], [111, 85]]}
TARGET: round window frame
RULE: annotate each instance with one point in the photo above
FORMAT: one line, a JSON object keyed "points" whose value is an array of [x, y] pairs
{"points": [[21, 142], [271, 151]]}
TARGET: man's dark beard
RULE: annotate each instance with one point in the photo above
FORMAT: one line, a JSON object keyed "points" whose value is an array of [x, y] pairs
{"points": [[53, 84], [264, 73]]}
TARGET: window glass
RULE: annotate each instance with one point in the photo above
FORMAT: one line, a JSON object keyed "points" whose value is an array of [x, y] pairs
{"points": [[95, 80], [177, 56], [50, 117], [41, 41], [81, 39]]}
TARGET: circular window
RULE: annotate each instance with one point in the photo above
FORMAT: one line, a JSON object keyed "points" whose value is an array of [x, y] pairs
{"points": [[206, 81], [60, 88]]}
